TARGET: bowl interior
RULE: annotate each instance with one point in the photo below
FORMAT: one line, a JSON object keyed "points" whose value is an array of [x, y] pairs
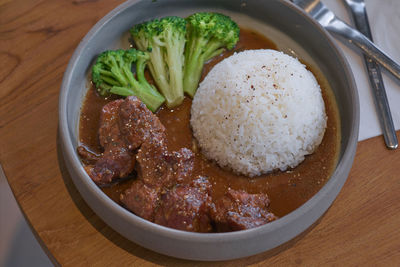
{"points": [[281, 22]]}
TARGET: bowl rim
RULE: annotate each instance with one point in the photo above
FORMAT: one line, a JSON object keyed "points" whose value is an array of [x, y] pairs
{"points": [[70, 152]]}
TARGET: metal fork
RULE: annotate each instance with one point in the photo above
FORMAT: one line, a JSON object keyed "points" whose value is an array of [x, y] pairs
{"points": [[357, 8], [330, 22]]}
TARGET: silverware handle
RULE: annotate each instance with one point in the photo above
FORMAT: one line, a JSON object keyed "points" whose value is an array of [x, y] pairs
{"points": [[369, 48], [378, 89], [381, 103]]}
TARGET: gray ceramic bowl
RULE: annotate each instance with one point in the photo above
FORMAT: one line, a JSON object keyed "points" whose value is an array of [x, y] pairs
{"points": [[295, 33]]}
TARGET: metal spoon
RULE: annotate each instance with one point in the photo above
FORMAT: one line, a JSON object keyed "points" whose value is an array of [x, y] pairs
{"points": [[330, 22], [357, 8]]}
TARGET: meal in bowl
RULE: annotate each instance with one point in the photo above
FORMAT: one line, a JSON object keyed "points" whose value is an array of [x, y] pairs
{"points": [[163, 161]]}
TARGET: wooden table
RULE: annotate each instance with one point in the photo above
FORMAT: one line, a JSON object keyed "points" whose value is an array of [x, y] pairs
{"points": [[37, 39]]}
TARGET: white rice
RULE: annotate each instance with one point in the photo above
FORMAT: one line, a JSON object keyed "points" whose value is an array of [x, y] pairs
{"points": [[258, 111]]}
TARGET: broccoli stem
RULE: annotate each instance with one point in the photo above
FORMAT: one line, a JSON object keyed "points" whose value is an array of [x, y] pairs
{"points": [[148, 93], [160, 76], [194, 61], [214, 48], [122, 91], [174, 59], [173, 92]]}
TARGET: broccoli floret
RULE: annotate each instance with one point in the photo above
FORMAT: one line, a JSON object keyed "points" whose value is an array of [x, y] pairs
{"points": [[164, 39], [112, 74], [208, 34]]}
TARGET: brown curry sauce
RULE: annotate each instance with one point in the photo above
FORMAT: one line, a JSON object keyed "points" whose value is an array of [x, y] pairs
{"points": [[287, 190]]}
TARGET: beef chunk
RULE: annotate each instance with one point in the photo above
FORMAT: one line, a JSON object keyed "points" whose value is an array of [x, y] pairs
{"points": [[139, 124], [109, 132], [158, 168], [152, 167], [141, 199], [117, 160], [181, 165], [186, 207], [158, 171], [239, 210], [117, 163], [124, 126]]}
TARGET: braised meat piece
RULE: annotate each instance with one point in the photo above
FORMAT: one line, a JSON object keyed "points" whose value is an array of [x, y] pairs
{"points": [[158, 168], [139, 124], [152, 168], [158, 171], [141, 199], [186, 207], [109, 132], [116, 160], [114, 164], [239, 210], [181, 165], [124, 126]]}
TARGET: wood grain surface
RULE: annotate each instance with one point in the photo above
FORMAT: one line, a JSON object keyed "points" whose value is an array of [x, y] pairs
{"points": [[37, 39]]}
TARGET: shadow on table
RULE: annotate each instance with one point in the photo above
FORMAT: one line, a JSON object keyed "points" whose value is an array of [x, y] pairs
{"points": [[24, 249], [144, 253]]}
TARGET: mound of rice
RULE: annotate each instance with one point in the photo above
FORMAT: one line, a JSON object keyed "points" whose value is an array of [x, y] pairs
{"points": [[258, 111]]}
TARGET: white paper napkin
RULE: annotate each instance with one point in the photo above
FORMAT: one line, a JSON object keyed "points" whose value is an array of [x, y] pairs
{"points": [[384, 20]]}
